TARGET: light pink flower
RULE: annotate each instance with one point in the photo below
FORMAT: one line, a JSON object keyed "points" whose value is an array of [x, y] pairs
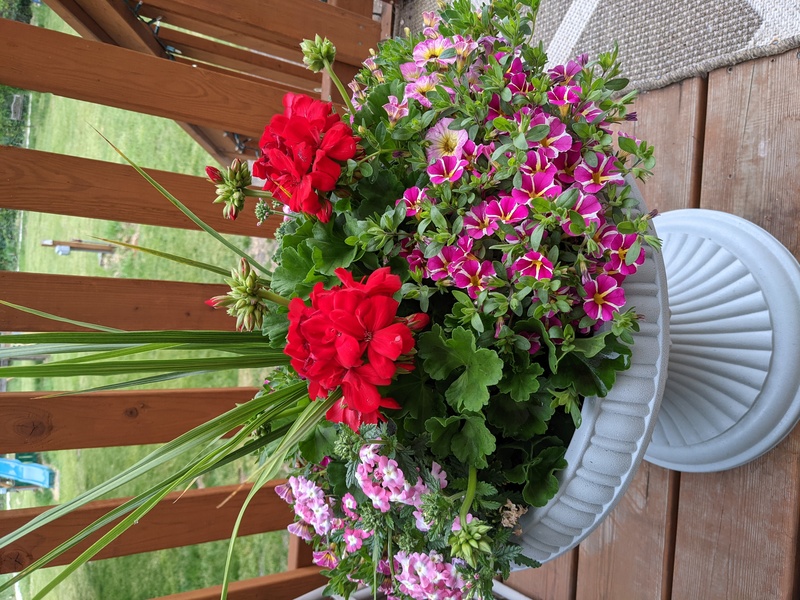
{"points": [[594, 179], [445, 141], [421, 86], [396, 110], [430, 51]]}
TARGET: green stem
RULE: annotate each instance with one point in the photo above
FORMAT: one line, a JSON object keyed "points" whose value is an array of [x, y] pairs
{"points": [[273, 297], [469, 496], [256, 193], [338, 83]]}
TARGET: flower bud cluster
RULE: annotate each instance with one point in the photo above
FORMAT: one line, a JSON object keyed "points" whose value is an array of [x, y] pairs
{"points": [[318, 52], [231, 186], [247, 299], [470, 539]]}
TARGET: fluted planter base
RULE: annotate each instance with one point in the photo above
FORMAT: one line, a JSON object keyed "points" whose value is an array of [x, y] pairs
{"points": [[733, 382]]}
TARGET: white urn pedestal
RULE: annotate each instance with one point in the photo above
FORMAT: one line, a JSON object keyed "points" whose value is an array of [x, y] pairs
{"points": [[715, 378], [734, 367]]}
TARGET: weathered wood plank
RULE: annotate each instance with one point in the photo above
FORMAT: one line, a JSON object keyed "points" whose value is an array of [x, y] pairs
{"points": [[81, 21], [181, 519], [673, 119], [633, 549], [555, 579], [285, 23], [738, 530], [280, 586], [98, 420], [47, 61], [68, 185], [301, 553], [202, 48], [132, 304]]}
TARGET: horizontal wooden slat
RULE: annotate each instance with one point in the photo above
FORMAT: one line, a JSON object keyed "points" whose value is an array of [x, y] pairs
{"points": [[181, 519], [286, 23], [76, 17], [68, 185], [197, 25], [47, 61], [202, 48], [131, 304], [280, 586], [119, 418]]}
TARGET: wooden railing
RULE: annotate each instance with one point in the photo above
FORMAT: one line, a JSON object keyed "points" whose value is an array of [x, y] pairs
{"points": [[222, 94]]}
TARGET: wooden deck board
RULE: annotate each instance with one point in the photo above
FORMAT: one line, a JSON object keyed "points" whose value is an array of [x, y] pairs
{"points": [[738, 530]]}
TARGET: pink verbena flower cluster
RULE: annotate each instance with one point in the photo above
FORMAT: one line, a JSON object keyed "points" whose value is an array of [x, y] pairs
{"points": [[424, 576]]}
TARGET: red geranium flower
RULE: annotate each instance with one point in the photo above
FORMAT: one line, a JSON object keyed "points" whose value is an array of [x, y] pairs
{"points": [[351, 337], [301, 151]]}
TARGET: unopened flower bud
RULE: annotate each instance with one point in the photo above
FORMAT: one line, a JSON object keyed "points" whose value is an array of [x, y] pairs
{"points": [[231, 186], [214, 175], [317, 53], [247, 299]]}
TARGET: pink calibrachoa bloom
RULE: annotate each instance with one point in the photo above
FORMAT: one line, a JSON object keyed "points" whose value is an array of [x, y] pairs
{"points": [[594, 179], [538, 185], [537, 161], [464, 47], [411, 72], [430, 51], [564, 96], [447, 168], [557, 140], [588, 207], [445, 141], [422, 85], [619, 245], [326, 558], [473, 276], [533, 264], [603, 298], [472, 152], [566, 162], [396, 110], [443, 264], [507, 210], [413, 198], [478, 223], [565, 73]]}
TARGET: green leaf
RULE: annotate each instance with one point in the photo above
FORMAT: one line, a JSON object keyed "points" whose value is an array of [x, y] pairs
{"points": [[627, 144], [541, 482], [520, 384], [617, 84], [519, 420], [296, 275], [329, 248], [465, 437], [442, 357], [320, 443]]}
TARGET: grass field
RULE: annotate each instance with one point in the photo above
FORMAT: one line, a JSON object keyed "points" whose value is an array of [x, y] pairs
{"points": [[66, 126]]}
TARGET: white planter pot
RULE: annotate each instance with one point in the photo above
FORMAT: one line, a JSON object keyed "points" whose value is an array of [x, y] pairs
{"points": [[609, 445]]}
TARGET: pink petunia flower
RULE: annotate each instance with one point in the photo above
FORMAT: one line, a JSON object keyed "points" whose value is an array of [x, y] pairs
{"points": [[396, 110], [478, 224], [431, 50], [507, 210], [533, 264], [474, 276]]}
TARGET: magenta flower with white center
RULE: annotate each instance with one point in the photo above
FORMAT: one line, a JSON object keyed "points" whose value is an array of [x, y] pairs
{"points": [[565, 73], [354, 538], [594, 179], [507, 210], [566, 162], [478, 224], [538, 185], [445, 141], [564, 94], [395, 109], [430, 51], [603, 298], [533, 264], [473, 276], [446, 169]]}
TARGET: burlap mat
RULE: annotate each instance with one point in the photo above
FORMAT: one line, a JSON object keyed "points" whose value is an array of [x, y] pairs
{"points": [[660, 41]]}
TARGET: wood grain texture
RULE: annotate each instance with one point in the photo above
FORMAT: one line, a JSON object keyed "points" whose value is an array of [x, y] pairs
{"points": [[47, 61], [738, 530], [103, 419], [253, 63], [181, 519], [119, 22], [280, 586], [285, 23], [76, 17], [301, 553], [673, 120], [68, 185], [554, 580], [630, 554], [131, 304]]}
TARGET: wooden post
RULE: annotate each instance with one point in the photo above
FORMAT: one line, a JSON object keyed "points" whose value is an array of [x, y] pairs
{"points": [[79, 245]]}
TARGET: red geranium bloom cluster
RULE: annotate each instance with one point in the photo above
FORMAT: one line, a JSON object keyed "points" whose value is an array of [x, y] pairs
{"points": [[351, 337], [300, 149]]}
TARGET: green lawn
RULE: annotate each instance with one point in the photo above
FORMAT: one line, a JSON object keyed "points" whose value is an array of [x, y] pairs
{"points": [[66, 126]]}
